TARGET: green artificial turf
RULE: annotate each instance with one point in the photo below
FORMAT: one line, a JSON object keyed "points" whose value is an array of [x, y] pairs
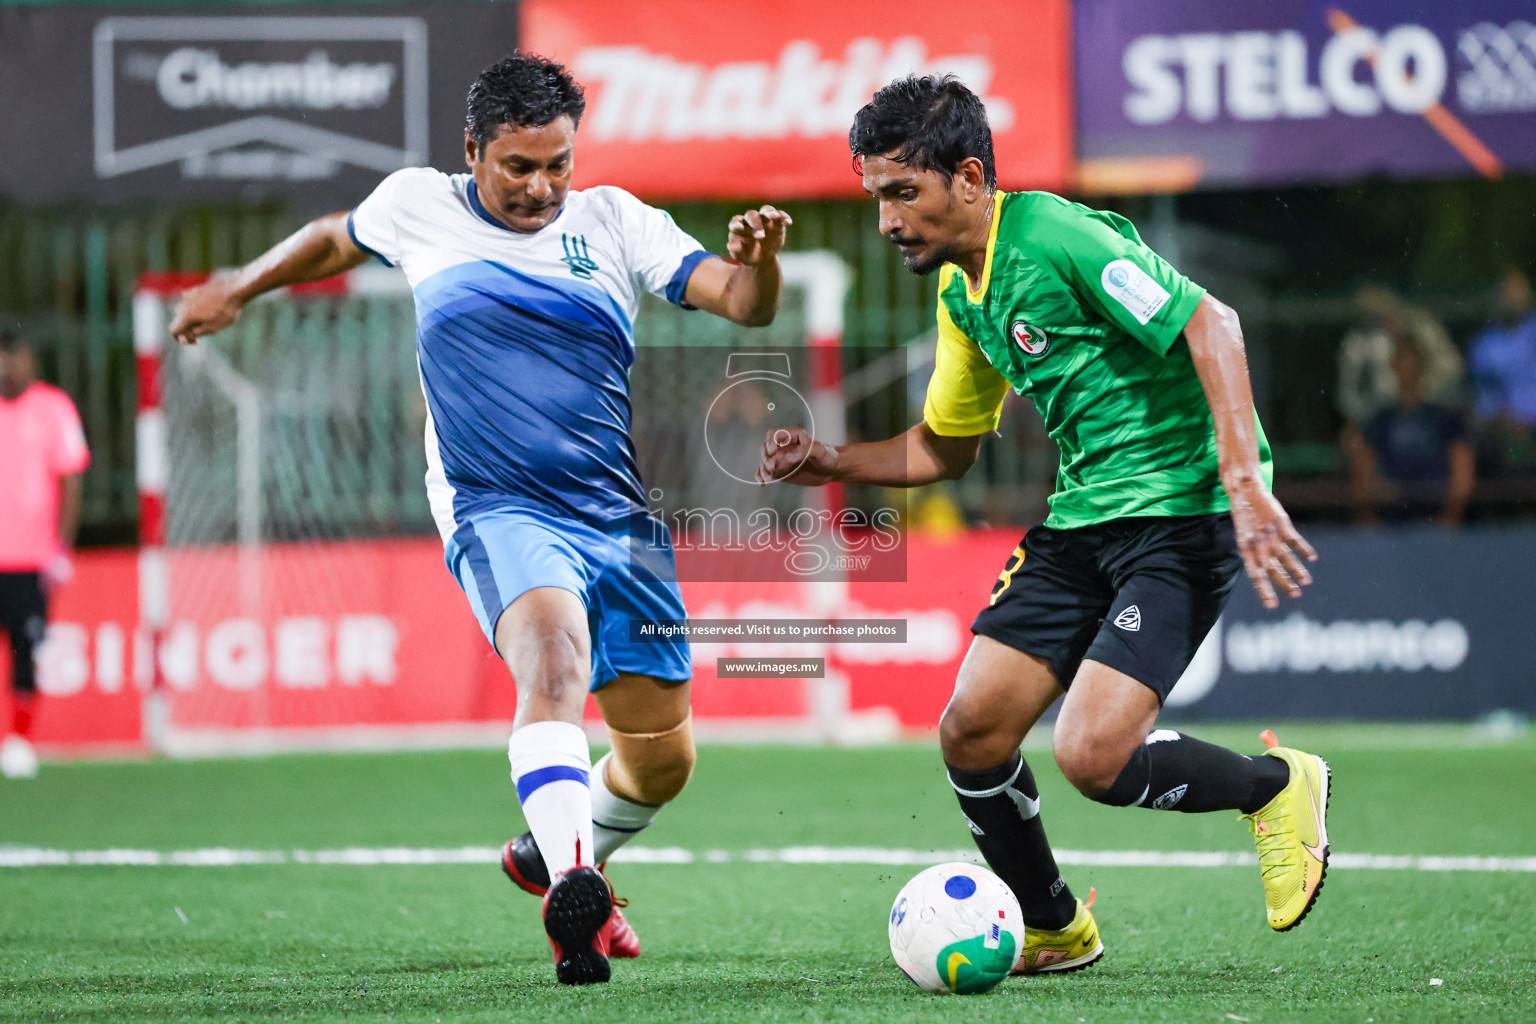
{"points": [[744, 941]]}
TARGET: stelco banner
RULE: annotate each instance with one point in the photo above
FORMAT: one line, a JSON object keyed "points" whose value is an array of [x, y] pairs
{"points": [[1181, 92], [739, 98], [125, 101], [1400, 625]]}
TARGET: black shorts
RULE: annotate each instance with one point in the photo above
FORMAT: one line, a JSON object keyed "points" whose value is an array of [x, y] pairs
{"points": [[1136, 594], [24, 617]]}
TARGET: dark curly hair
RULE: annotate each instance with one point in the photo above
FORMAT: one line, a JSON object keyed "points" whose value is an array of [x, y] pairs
{"points": [[931, 122], [523, 90]]}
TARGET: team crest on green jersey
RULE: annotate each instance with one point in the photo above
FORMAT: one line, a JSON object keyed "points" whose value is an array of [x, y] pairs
{"points": [[577, 256], [1030, 338]]}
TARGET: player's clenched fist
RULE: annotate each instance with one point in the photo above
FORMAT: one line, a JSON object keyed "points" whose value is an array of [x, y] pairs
{"points": [[757, 235], [206, 309], [792, 455]]}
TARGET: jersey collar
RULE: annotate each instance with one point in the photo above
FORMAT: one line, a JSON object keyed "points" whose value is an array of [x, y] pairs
{"points": [[485, 215], [975, 297]]}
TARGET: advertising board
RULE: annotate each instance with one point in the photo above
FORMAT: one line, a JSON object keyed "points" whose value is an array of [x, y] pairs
{"points": [[1196, 92], [739, 99]]}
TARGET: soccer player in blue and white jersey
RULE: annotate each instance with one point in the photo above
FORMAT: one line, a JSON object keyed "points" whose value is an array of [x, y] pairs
{"points": [[526, 293]]}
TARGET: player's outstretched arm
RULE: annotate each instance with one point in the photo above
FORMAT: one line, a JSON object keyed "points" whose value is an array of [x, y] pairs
{"points": [[745, 291], [319, 249], [911, 459], [1272, 550]]}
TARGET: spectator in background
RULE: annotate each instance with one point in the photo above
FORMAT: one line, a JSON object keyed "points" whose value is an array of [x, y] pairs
{"points": [[1412, 459], [1503, 361], [42, 454], [1367, 383]]}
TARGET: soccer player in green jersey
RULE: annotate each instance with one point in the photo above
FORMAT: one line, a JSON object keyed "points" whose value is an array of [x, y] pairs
{"points": [[1162, 501]]}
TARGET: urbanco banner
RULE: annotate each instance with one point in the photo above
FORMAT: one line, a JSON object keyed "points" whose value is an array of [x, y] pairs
{"points": [[1186, 92], [749, 99], [310, 104], [1405, 624]]}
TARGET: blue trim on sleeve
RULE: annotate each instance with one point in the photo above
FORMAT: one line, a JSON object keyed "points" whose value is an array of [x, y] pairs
{"points": [[677, 288], [528, 784], [352, 232]]}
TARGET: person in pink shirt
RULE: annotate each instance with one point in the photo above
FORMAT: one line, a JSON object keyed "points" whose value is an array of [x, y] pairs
{"points": [[42, 454]]}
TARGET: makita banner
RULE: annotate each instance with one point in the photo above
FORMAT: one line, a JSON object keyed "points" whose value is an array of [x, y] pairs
{"points": [[752, 99], [314, 105], [1186, 92]]}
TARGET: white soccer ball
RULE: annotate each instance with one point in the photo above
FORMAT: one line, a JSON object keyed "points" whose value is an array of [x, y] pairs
{"points": [[956, 928]]}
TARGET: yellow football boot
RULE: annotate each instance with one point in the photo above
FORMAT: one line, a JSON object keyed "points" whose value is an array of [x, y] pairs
{"points": [[1071, 949], [1291, 832]]}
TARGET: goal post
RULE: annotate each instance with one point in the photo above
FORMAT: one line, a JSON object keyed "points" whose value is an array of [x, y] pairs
{"points": [[291, 591], [273, 460]]}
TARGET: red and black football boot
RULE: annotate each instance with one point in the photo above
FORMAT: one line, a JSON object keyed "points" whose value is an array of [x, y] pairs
{"points": [[577, 909], [524, 865]]}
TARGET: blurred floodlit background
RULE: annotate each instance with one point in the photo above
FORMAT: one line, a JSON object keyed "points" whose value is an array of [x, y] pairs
{"points": [[1358, 181]]}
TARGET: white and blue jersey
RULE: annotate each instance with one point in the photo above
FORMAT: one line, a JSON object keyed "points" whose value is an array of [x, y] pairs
{"points": [[525, 341]]}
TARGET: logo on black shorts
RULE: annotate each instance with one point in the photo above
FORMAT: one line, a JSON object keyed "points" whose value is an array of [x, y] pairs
{"points": [[1030, 338], [1129, 620]]}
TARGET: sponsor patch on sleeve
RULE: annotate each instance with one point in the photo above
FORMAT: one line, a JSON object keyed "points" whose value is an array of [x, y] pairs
{"points": [[1134, 289]]}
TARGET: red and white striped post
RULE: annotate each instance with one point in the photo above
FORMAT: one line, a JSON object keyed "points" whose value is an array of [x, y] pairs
{"points": [[152, 474], [154, 294], [825, 279], [149, 430]]}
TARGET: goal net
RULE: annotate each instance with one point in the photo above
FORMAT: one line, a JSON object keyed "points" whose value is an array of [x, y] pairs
{"points": [[291, 581], [280, 468]]}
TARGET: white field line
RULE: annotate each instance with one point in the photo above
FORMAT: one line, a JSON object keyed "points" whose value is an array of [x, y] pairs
{"points": [[34, 856]]}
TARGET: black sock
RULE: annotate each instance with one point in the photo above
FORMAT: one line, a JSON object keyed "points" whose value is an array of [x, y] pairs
{"points": [[1002, 805], [1173, 772]]}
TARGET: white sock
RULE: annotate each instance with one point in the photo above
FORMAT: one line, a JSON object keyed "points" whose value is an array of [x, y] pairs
{"points": [[551, 765], [615, 821]]}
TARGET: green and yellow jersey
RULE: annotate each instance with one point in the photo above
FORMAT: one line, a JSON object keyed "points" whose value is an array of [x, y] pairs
{"points": [[1075, 312]]}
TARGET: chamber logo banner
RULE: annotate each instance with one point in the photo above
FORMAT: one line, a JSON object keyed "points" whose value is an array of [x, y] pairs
{"points": [[243, 98], [126, 101]]}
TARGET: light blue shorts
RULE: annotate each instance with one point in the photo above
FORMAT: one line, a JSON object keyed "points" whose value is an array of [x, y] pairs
{"points": [[499, 556]]}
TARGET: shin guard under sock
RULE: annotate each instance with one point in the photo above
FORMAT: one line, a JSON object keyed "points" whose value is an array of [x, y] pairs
{"points": [[1174, 772], [615, 820], [551, 765], [1002, 806]]}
